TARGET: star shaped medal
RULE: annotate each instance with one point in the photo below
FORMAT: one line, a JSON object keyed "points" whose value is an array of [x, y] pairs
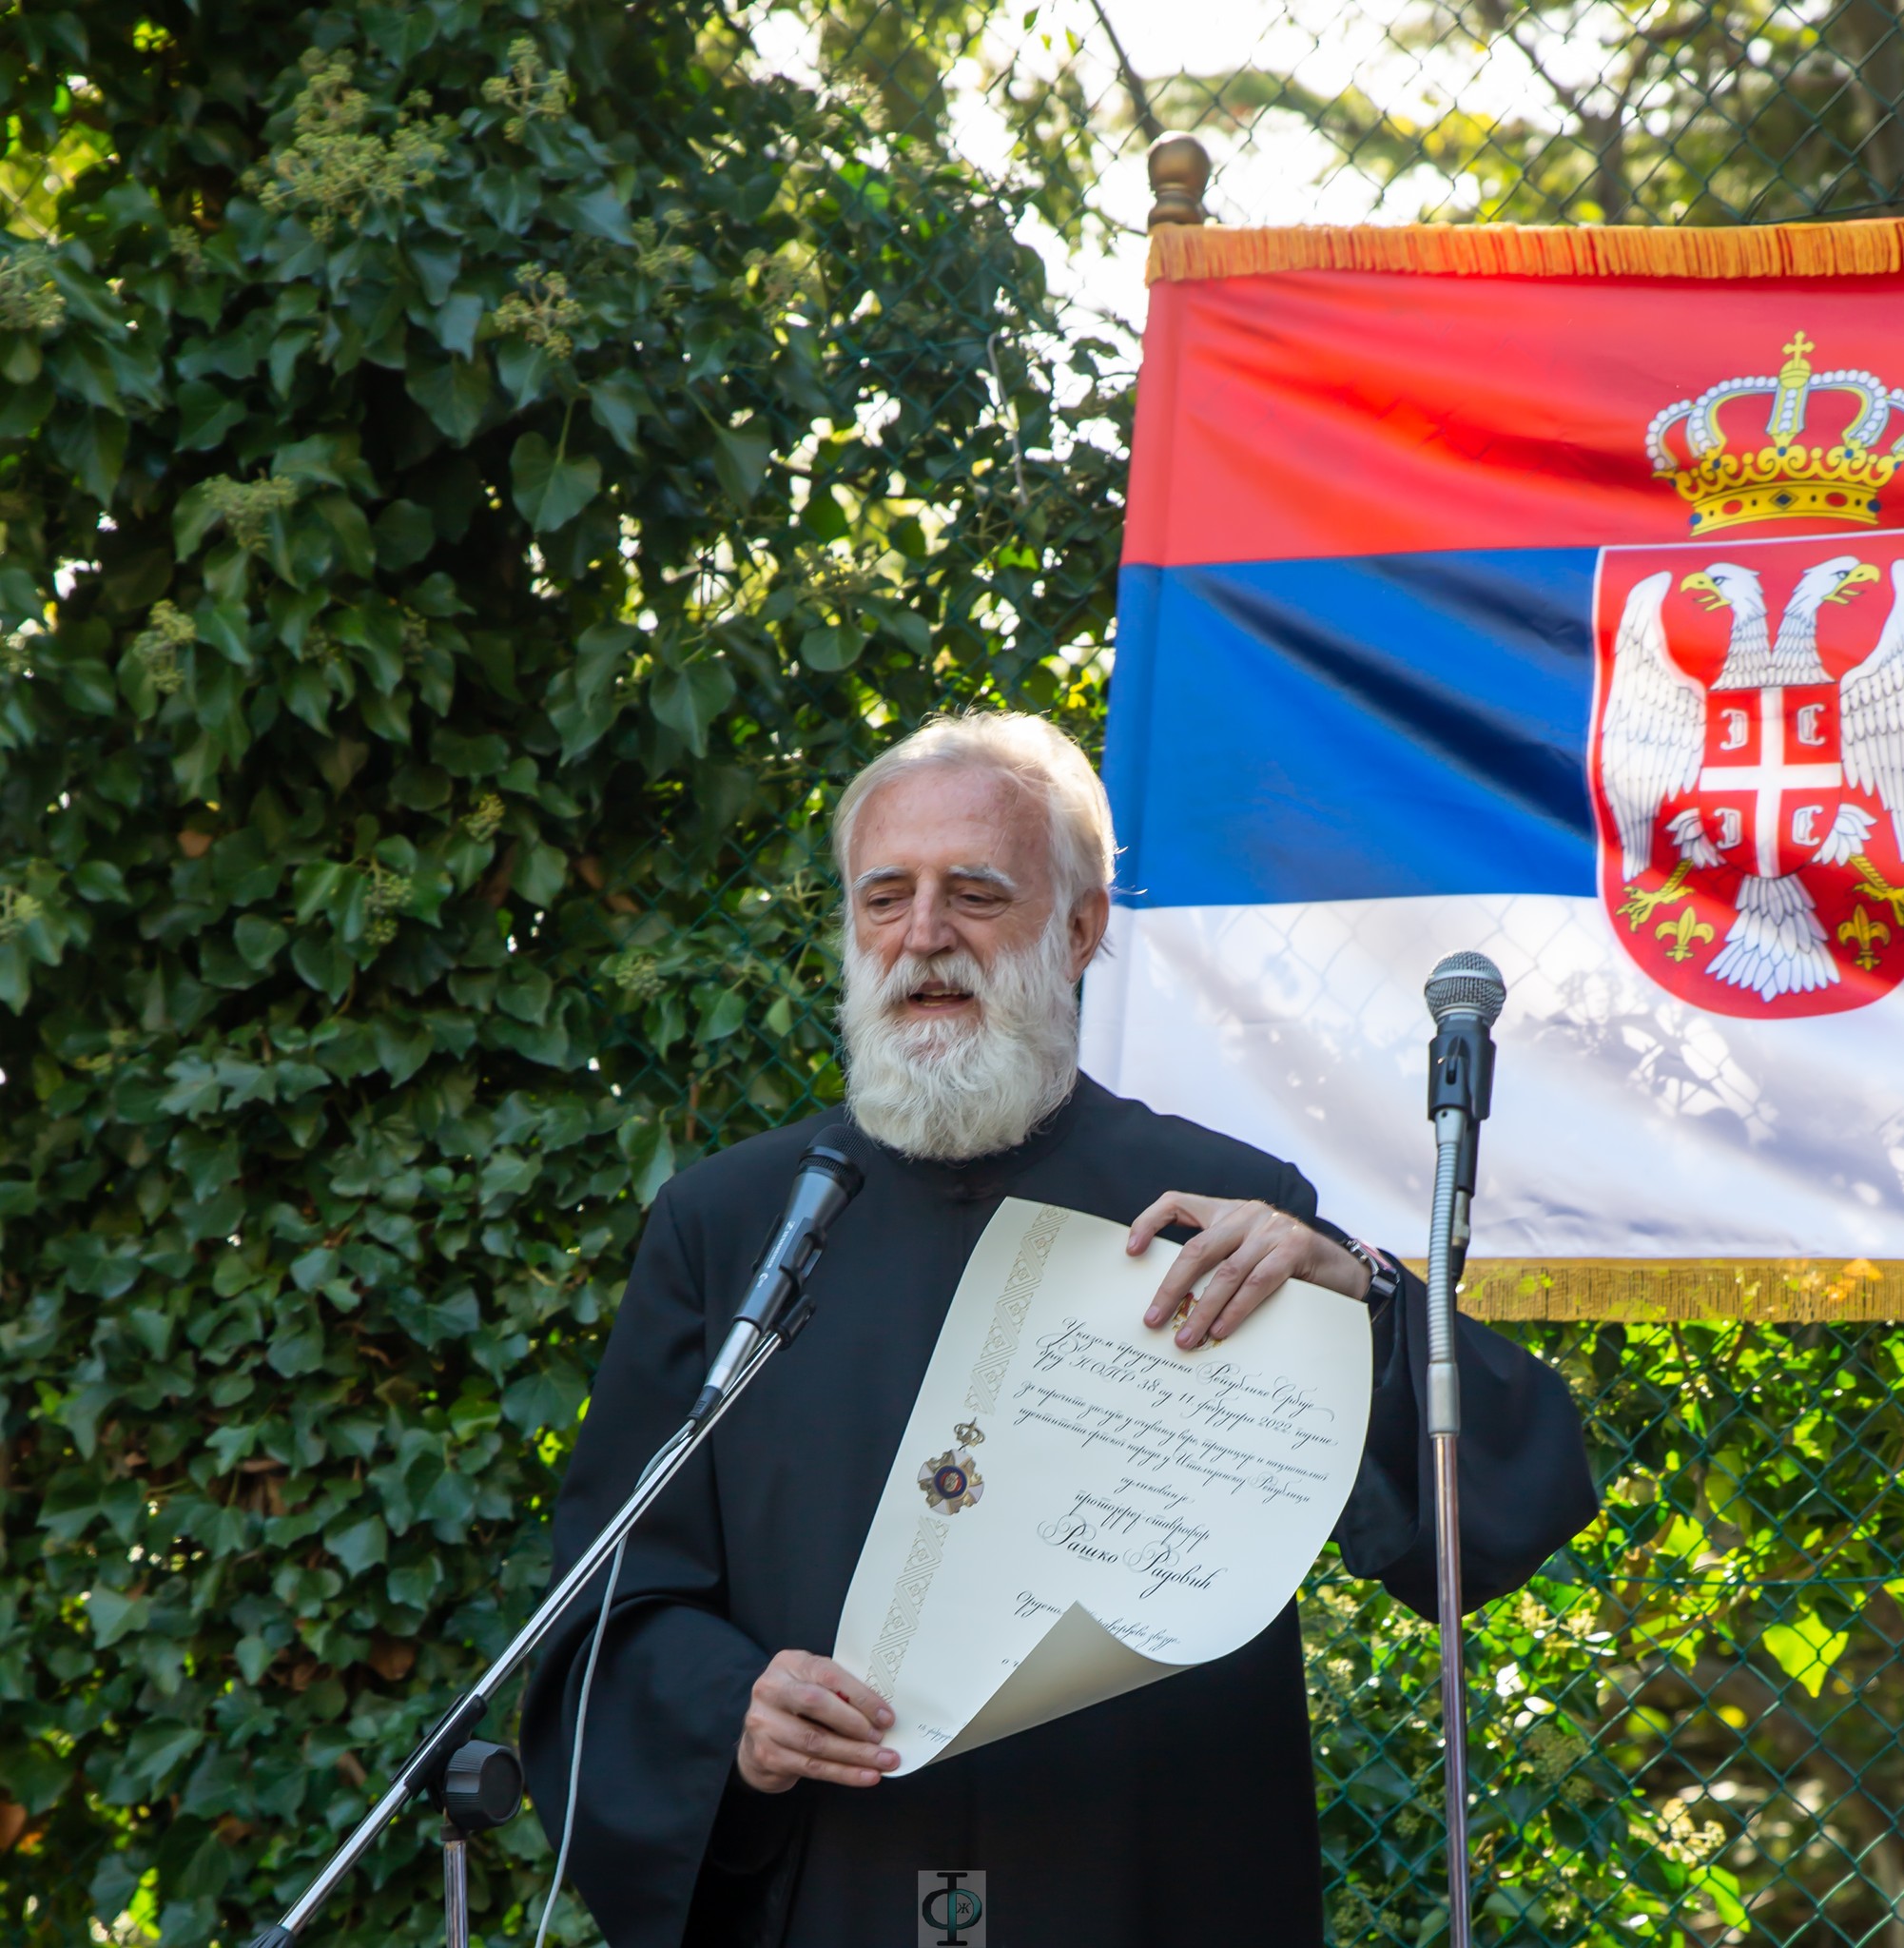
{"points": [[949, 1481]]}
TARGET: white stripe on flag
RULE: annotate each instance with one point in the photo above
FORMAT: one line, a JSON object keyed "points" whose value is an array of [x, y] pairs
{"points": [[1626, 1123]]}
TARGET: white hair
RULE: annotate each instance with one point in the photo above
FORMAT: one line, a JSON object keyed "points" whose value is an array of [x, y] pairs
{"points": [[949, 1089], [1041, 757]]}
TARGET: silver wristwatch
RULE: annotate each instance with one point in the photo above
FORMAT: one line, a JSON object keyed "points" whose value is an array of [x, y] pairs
{"points": [[1385, 1282]]}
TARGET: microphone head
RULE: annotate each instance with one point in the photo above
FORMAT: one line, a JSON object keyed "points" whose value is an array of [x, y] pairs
{"points": [[1466, 983], [842, 1151]]}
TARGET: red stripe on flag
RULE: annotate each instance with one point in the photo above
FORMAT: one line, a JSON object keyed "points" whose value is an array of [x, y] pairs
{"points": [[1330, 412]]}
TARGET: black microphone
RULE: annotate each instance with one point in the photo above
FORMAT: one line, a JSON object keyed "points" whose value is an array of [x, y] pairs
{"points": [[831, 1176], [1465, 995]]}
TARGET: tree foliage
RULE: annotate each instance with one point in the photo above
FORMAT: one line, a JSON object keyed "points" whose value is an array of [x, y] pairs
{"points": [[474, 477], [1715, 112]]}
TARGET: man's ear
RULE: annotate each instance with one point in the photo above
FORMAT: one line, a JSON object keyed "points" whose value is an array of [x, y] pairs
{"points": [[1089, 918]]}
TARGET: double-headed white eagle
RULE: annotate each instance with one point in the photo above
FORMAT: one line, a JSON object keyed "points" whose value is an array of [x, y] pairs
{"points": [[1653, 748]]}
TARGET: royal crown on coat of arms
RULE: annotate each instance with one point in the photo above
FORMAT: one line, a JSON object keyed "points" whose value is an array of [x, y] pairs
{"points": [[1713, 452]]}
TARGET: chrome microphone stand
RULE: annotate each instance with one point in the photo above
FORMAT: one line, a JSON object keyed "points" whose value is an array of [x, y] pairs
{"points": [[1464, 995], [456, 1887]]}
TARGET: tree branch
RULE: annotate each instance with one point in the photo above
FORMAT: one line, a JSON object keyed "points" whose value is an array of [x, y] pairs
{"points": [[1133, 86]]}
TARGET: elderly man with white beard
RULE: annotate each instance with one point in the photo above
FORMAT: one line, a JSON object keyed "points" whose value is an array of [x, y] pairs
{"points": [[733, 1784]]}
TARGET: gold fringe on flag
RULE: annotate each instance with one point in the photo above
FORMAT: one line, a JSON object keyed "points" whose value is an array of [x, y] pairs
{"points": [[1795, 1290], [1869, 248]]}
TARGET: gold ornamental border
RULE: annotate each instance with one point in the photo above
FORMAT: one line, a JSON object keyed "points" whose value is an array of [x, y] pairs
{"points": [[1792, 1291], [1870, 247]]}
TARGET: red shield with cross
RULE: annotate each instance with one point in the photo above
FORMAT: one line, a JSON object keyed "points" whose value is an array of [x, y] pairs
{"points": [[1770, 779], [1747, 767]]}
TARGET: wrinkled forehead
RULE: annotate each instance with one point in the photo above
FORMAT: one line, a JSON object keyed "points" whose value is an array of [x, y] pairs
{"points": [[938, 816]]}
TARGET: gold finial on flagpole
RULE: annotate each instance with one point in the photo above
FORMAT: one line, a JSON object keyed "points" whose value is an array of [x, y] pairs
{"points": [[1179, 167]]}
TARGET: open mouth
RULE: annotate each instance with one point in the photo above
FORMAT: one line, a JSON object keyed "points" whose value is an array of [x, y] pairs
{"points": [[937, 995]]}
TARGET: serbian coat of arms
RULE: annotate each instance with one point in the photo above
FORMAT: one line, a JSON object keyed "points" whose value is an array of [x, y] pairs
{"points": [[1747, 760]]}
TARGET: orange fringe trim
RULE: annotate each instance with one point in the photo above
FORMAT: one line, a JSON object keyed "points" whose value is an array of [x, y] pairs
{"points": [[1796, 1290], [1869, 248]]}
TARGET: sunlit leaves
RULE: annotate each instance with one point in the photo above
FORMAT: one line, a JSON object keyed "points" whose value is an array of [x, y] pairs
{"points": [[412, 801], [1806, 1648]]}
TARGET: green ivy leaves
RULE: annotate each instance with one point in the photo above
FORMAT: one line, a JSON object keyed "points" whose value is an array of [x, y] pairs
{"points": [[456, 394], [739, 463], [548, 488], [455, 542]]}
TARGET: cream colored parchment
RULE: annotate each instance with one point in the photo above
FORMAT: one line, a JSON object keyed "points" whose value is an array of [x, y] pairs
{"points": [[1077, 1506]]}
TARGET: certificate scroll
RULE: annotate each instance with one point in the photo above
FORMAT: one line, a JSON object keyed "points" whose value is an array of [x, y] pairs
{"points": [[1078, 1507]]}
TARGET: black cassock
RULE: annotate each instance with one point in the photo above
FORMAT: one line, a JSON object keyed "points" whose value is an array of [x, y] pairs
{"points": [[1181, 1812]]}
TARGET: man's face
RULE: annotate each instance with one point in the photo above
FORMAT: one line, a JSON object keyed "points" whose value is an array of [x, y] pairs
{"points": [[950, 859]]}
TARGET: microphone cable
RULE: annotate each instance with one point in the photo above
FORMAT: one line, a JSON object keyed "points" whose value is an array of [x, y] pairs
{"points": [[596, 1636], [576, 1757]]}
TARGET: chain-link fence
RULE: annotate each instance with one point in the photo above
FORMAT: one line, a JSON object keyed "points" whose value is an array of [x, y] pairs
{"points": [[1687, 1730], [1690, 1732]]}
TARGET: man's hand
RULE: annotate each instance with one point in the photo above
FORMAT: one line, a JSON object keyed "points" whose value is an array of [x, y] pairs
{"points": [[809, 1719], [1249, 1250]]}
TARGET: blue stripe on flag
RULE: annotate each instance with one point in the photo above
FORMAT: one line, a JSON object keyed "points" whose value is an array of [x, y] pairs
{"points": [[1354, 730]]}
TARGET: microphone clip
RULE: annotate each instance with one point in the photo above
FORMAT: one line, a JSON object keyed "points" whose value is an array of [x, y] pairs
{"points": [[1461, 1068]]}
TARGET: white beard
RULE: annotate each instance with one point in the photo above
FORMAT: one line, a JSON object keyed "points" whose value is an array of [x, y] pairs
{"points": [[953, 1089]]}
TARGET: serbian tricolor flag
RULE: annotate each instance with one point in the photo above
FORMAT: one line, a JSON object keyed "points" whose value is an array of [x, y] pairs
{"points": [[1540, 592]]}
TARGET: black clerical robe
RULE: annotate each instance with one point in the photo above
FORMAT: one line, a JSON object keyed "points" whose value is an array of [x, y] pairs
{"points": [[1181, 1814]]}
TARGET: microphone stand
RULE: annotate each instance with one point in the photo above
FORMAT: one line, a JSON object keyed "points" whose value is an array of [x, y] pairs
{"points": [[478, 1784], [1444, 1425], [1460, 1074]]}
